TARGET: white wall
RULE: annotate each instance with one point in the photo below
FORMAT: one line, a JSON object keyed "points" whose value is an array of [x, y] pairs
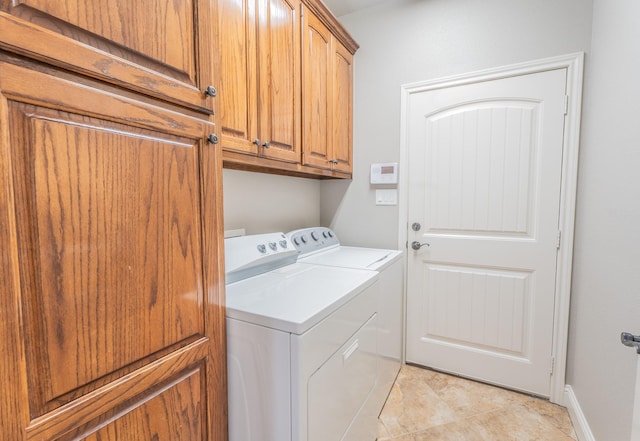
{"points": [[262, 203], [404, 41], [606, 269]]}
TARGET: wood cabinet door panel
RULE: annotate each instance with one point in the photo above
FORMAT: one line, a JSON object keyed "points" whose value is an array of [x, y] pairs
{"points": [[238, 101], [106, 192], [174, 414], [156, 47], [317, 59], [92, 411], [342, 114], [279, 79], [113, 213]]}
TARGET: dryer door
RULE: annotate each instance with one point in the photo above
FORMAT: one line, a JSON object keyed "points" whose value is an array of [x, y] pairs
{"points": [[339, 390]]}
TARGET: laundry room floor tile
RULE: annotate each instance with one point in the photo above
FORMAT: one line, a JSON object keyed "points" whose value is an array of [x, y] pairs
{"points": [[425, 405]]}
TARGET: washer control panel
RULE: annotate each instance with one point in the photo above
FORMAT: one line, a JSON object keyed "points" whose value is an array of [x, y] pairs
{"points": [[310, 240], [250, 255]]}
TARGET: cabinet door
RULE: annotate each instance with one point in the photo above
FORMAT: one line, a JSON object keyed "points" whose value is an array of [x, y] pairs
{"points": [[113, 332], [159, 47], [317, 92], [342, 109], [279, 78], [238, 100]]}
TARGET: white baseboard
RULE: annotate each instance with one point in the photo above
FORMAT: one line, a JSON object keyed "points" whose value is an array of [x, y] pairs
{"points": [[580, 424]]}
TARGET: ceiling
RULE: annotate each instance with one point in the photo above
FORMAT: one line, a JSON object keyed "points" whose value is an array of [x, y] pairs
{"points": [[342, 7]]}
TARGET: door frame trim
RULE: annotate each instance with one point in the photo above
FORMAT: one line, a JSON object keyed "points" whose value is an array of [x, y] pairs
{"points": [[574, 63]]}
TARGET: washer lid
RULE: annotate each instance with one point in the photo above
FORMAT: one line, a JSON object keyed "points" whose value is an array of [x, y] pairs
{"points": [[354, 257], [296, 297]]}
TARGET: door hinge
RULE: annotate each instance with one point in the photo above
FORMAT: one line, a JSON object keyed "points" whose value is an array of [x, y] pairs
{"points": [[553, 365], [558, 239], [566, 104]]}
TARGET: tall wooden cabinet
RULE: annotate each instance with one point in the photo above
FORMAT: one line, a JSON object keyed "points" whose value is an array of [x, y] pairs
{"points": [[112, 294], [285, 87]]}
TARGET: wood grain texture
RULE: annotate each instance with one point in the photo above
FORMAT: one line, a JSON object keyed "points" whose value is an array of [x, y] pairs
{"points": [[239, 161], [279, 108], [115, 317], [259, 46], [116, 225], [93, 409], [214, 290], [281, 84], [317, 92], [342, 108], [328, 98], [153, 48], [331, 22], [14, 406], [174, 414], [238, 101]]}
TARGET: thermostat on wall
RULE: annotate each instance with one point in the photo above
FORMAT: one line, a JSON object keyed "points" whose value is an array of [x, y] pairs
{"points": [[386, 173]]}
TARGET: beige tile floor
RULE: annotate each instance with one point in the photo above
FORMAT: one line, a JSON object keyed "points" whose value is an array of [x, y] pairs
{"points": [[429, 406]]}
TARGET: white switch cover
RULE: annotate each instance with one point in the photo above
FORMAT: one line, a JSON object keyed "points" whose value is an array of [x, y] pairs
{"points": [[387, 196]]}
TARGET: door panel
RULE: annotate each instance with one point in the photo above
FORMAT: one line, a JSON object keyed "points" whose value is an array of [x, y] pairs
{"points": [[483, 159], [279, 87], [153, 47], [485, 174], [106, 192], [317, 92], [113, 214], [342, 111], [480, 307], [174, 413], [238, 107]]}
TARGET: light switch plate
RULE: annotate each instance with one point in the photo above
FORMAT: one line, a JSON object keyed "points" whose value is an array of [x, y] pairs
{"points": [[387, 196]]}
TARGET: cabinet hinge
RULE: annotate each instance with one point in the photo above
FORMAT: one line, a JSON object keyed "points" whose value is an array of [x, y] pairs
{"points": [[566, 104], [558, 239], [553, 365]]}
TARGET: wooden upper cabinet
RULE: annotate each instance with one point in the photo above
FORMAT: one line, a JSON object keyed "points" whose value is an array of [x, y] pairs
{"points": [[238, 99], [286, 87], [160, 48], [259, 48], [327, 95], [317, 92], [116, 315], [279, 73], [342, 109]]}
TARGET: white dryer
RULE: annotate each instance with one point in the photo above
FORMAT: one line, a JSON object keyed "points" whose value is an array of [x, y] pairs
{"points": [[321, 246], [301, 345]]}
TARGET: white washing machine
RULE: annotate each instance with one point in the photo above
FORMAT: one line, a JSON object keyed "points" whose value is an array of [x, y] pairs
{"points": [[301, 345], [320, 246]]}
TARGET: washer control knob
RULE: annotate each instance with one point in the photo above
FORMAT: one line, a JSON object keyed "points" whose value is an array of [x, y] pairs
{"points": [[273, 246], [314, 236], [325, 234], [284, 244], [303, 238], [296, 241], [329, 233], [262, 248]]}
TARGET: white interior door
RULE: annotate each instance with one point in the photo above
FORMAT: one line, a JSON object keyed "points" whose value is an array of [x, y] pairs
{"points": [[485, 169]]}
